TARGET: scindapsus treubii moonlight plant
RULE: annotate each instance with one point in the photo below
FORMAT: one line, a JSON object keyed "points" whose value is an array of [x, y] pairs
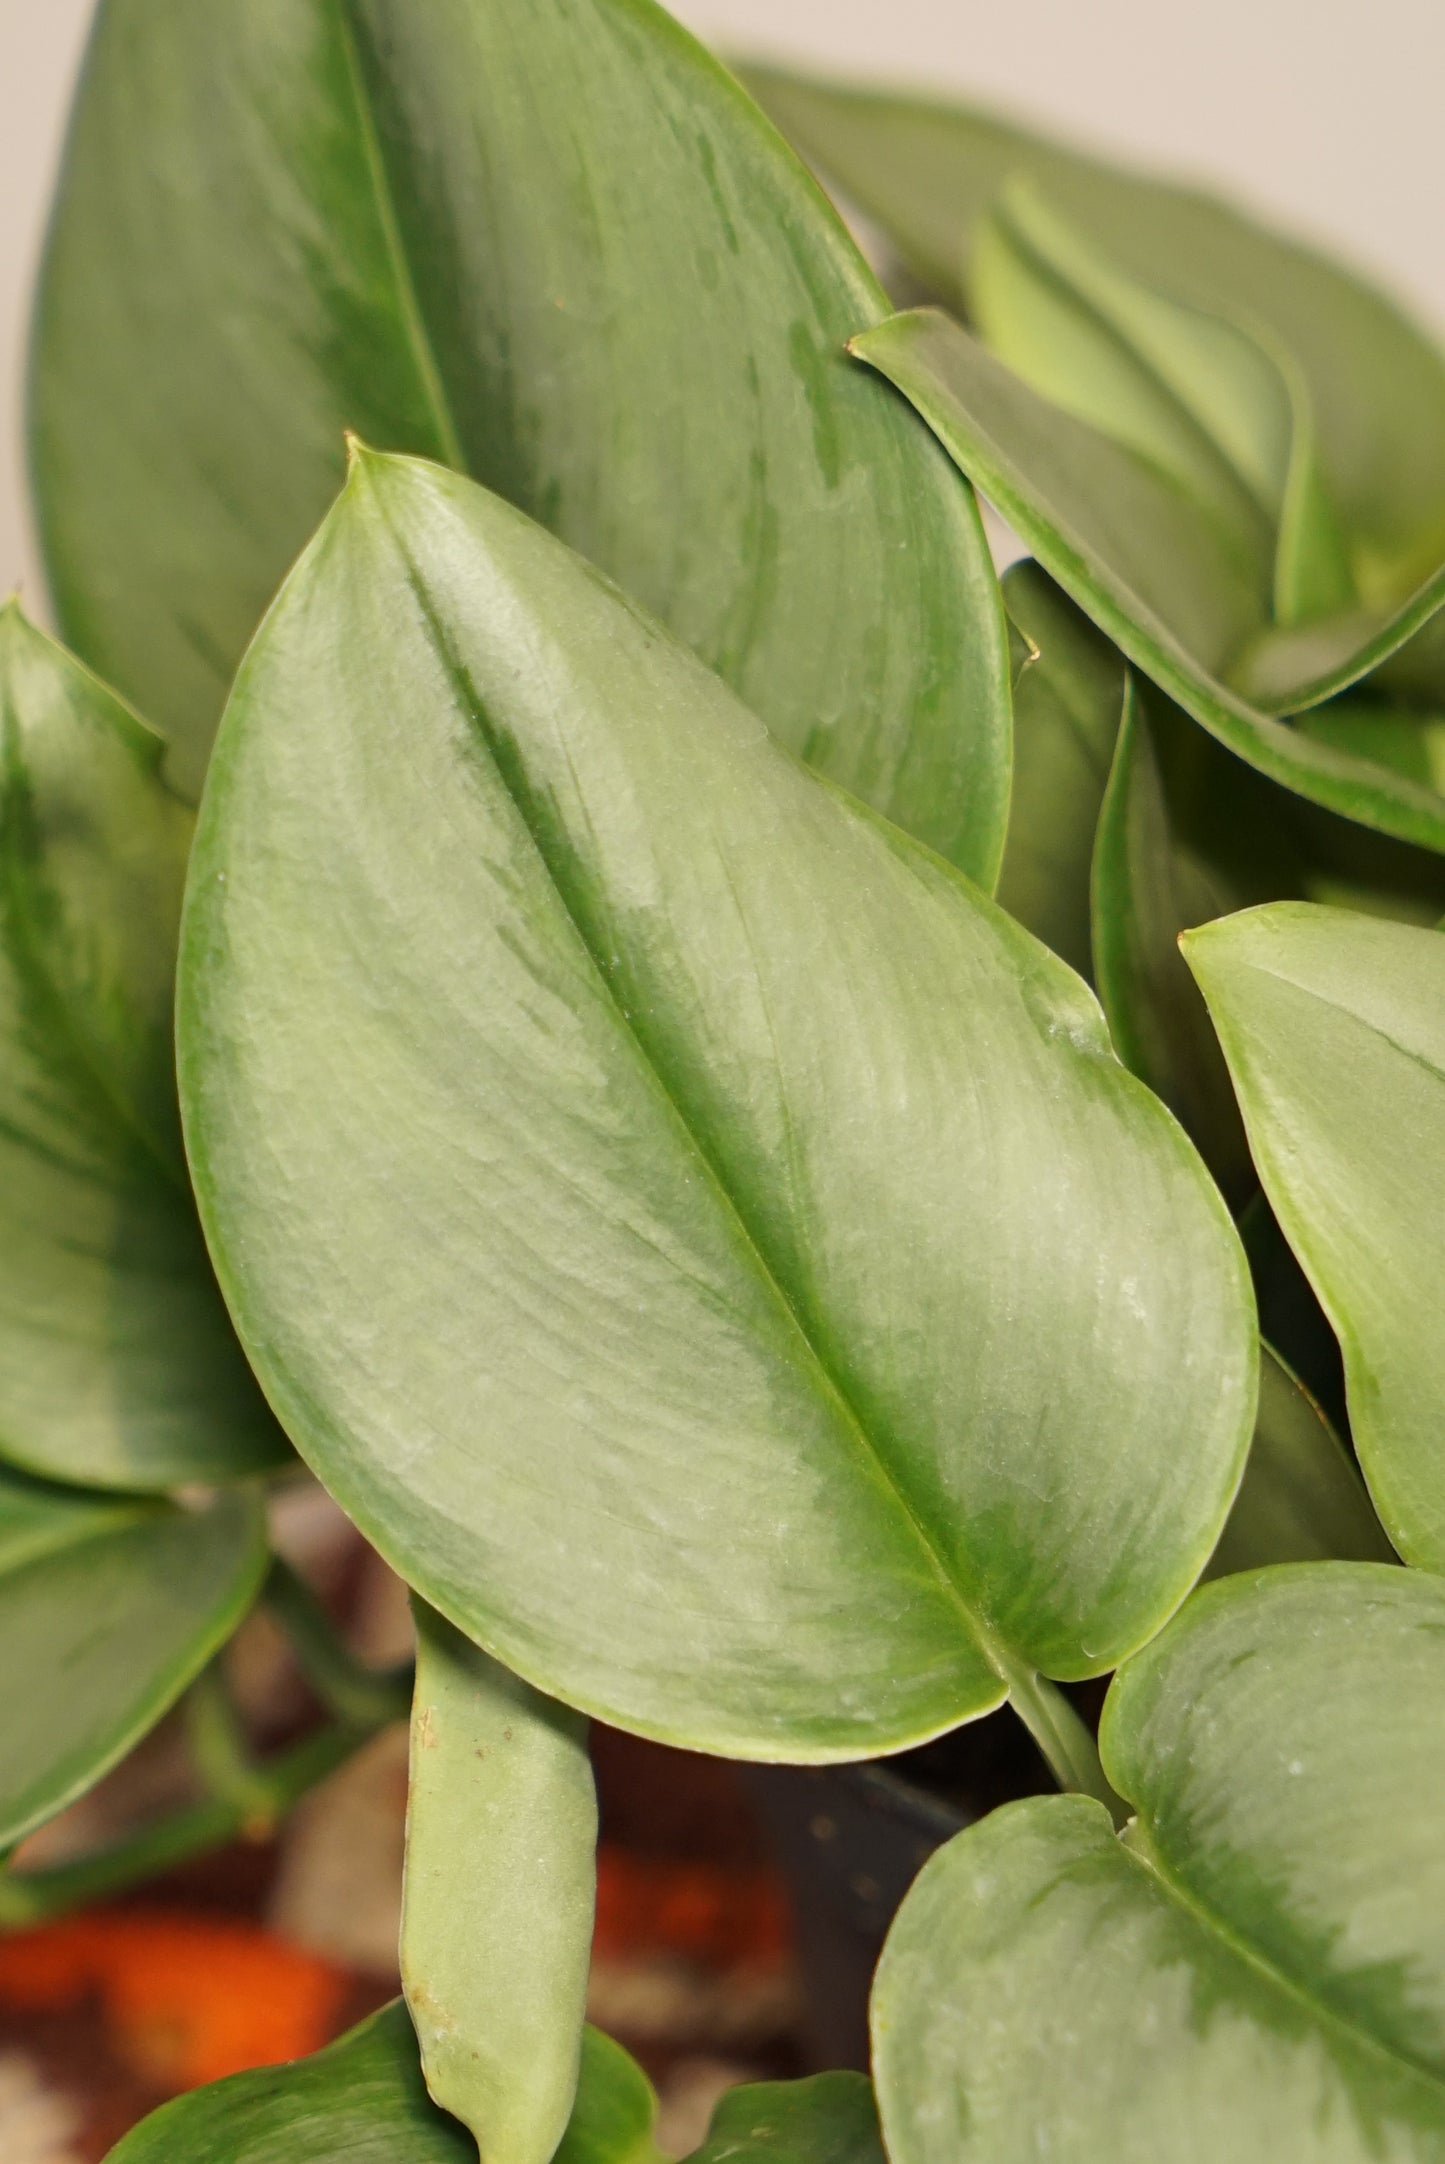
{"points": [[686, 1109]]}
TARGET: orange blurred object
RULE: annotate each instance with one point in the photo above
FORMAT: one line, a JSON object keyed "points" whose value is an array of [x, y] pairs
{"points": [[717, 1916], [188, 1998]]}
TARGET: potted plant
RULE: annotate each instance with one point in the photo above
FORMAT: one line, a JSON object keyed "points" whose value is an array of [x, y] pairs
{"points": [[686, 1107]]}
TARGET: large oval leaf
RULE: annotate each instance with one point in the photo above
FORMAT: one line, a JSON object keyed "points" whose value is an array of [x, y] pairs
{"points": [[117, 1363], [1130, 548], [499, 1891], [105, 1619], [661, 1188], [1257, 1969], [550, 241], [1334, 1028], [931, 173]]}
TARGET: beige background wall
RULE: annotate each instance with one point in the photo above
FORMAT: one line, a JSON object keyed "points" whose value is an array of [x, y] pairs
{"points": [[1329, 111]]}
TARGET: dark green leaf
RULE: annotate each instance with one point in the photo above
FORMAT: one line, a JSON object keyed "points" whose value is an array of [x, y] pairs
{"points": [[500, 1887], [643, 1140], [930, 174], [612, 2119], [1256, 1970], [117, 1363], [1301, 1500], [362, 2101], [1067, 701], [830, 2119], [1334, 1028], [550, 241], [1162, 864], [1132, 551], [105, 1619]]}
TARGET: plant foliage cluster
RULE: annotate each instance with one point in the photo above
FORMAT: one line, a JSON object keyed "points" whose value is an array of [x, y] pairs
{"points": [[741, 1092]]}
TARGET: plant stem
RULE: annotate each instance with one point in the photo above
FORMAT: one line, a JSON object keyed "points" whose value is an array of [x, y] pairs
{"points": [[221, 1750], [32, 1897], [364, 1697], [1064, 1739]]}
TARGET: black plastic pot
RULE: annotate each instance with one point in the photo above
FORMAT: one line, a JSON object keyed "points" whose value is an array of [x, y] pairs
{"points": [[851, 1840]]}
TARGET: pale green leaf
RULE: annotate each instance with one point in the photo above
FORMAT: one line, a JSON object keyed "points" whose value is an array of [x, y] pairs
{"points": [[1333, 1024], [930, 173], [644, 1141], [551, 242], [1130, 548], [105, 1617], [1188, 392], [117, 1363], [1301, 1499], [1256, 1970], [499, 1891]]}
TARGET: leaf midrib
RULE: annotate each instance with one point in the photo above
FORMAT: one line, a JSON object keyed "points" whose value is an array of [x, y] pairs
{"points": [[1350, 1015], [1253, 1957], [980, 1632]]}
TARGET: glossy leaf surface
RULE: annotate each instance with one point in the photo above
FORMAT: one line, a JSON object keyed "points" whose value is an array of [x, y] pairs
{"points": [[1301, 1499], [1067, 702], [828, 2119], [1131, 550], [549, 241], [499, 1892], [361, 2101], [1257, 1968], [644, 1142], [930, 174], [117, 1363], [1334, 1028], [105, 1620]]}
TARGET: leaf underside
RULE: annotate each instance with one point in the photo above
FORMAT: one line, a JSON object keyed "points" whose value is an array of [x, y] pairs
{"points": [[1332, 1026]]}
